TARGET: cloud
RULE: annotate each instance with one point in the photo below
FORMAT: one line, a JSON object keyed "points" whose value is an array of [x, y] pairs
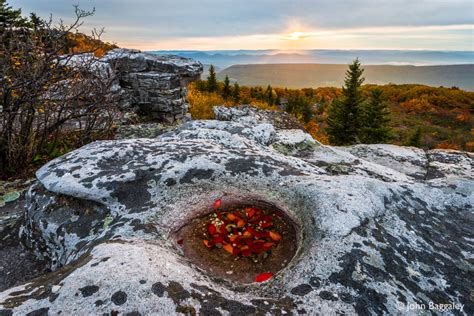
{"points": [[167, 20]]}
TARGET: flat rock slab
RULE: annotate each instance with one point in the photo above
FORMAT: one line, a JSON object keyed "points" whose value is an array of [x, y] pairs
{"points": [[375, 237]]}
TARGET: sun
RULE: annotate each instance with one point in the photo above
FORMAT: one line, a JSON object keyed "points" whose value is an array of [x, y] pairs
{"points": [[294, 36]]}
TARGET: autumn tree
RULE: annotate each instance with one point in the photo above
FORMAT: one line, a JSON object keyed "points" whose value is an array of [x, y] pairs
{"points": [[212, 80], [226, 90], [374, 120], [236, 93], [44, 94], [344, 115]]}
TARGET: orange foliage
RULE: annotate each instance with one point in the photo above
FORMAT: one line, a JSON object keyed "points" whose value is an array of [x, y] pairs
{"points": [[469, 146], [80, 43], [314, 129], [201, 103], [444, 114], [447, 146]]}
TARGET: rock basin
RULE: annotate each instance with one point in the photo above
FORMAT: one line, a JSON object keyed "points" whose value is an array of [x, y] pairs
{"points": [[375, 234], [242, 269]]}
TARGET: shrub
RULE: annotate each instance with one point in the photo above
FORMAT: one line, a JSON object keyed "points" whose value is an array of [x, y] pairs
{"points": [[45, 97]]}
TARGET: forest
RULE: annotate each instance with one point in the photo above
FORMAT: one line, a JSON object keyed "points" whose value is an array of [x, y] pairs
{"points": [[419, 115]]}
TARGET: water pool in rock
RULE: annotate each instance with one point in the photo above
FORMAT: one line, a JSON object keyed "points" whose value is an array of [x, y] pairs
{"points": [[240, 242]]}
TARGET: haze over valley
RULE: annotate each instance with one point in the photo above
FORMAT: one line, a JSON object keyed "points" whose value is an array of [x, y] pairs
{"points": [[319, 68]]}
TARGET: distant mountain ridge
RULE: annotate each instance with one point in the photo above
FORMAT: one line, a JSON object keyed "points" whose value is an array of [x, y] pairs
{"points": [[322, 75], [226, 58]]}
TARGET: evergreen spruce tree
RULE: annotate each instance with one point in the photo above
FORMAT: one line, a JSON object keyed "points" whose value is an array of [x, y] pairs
{"points": [[344, 114], [212, 80], [226, 90], [269, 95], [415, 139], [374, 120], [236, 93], [10, 17], [252, 92]]}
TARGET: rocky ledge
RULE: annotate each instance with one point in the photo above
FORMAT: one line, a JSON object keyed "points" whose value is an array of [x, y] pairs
{"points": [[382, 229], [152, 86]]}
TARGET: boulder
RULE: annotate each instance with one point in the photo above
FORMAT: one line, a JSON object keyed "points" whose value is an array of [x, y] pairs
{"points": [[154, 85], [376, 235], [249, 114]]}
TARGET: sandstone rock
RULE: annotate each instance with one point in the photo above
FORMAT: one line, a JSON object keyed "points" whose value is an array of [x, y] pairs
{"points": [[375, 235], [249, 114], [154, 85]]}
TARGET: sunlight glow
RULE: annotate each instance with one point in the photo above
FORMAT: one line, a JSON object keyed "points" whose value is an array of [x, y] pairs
{"points": [[456, 37], [295, 36]]}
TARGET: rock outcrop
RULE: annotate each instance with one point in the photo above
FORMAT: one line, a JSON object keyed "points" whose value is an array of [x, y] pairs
{"points": [[248, 114], [382, 228], [152, 85]]}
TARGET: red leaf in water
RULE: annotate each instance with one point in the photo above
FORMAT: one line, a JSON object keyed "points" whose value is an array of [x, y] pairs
{"points": [[246, 234], [217, 204], [223, 230], [275, 236], [180, 242], [253, 231], [211, 229], [254, 219], [250, 211], [229, 248], [218, 240], [263, 277], [268, 245]]}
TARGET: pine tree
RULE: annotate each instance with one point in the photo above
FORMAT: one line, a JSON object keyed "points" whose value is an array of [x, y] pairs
{"points": [[212, 80], [415, 139], [236, 93], [252, 92], [226, 90], [344, 115], [374, 120], [269, 95], [10, 17]]}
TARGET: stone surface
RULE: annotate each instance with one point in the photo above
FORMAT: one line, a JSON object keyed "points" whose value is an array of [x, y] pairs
{"points": [[17, 264], [248, 114], [375, 234], [154, 85]]}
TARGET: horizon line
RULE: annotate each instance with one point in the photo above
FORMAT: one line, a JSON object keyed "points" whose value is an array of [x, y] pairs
{"points": [[307, 49]]}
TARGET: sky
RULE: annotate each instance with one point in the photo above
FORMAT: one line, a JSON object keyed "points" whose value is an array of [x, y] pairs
{"points": [[446, 25]]}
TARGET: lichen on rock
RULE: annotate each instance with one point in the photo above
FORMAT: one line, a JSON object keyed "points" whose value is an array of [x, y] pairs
{"points": [[375, 234]]}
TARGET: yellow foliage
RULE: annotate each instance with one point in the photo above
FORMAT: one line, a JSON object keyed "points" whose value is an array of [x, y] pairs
{"points": [[313, 128], [446, 145], [201, 103], [82, 43], [263, 105], [470, 146]]}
